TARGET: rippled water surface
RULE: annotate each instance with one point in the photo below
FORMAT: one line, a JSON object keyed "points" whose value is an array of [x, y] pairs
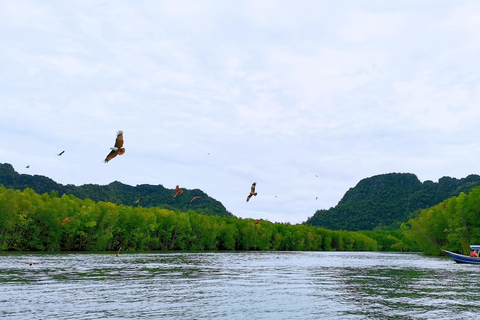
{"points": [[244, 285]]}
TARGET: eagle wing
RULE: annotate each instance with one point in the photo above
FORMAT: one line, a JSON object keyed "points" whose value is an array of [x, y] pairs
{"points": [[111, 155], [119, 140]]}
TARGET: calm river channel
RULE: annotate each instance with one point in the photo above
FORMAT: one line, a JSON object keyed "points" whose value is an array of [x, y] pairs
{"points": [[239, 285]]}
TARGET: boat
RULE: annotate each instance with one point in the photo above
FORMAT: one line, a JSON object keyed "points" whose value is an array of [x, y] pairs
{"points": [[461, 258]]}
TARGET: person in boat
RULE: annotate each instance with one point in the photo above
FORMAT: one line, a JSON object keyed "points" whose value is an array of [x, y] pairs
{"points": [[474, 254]]}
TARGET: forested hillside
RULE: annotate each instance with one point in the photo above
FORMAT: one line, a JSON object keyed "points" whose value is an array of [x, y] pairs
{"points": [[117, 192], [387, 200], [29, 221], [452, 225]]}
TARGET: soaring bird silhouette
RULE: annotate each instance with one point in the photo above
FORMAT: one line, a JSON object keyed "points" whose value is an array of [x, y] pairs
{"points": [[59, 154], [179, 191], [138, 200], [116, 254], [196, 197], [117, 149], [252, 191]]}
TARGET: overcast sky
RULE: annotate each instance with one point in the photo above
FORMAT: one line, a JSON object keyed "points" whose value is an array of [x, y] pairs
{"points": [[306, 98]]}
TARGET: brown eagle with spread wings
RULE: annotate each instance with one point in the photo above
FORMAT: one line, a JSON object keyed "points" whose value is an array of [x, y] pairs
{"points": [[116, 254], [196, 197], [138, 200], [252, 191], [117, 149], [179, 191]]}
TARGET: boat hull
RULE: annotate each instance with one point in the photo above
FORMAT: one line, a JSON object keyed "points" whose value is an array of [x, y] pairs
{"points": [[460, 258]]}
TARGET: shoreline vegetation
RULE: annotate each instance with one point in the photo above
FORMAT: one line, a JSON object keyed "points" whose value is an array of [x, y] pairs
{"points": [[34, 222]]}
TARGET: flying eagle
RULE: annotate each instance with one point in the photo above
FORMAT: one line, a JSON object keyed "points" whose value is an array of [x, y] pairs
{"points": [[252, 192], [30, 263], [196, 197], [59, 154], [116, 254], [179, 191], [117, 149], [138, 200]]}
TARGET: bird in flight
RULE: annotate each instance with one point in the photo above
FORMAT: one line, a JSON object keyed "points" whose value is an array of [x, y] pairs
{"points": [[179, 191], [27, 166], [194, 198], [116, 254], [59, 154], [30, 263], [252, 191], [117, 149], [138, 200], [67, 219]]}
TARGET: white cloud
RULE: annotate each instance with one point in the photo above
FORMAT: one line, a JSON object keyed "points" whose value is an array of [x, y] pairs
{"points": [[276, 92], [370, 27], [68, 65]]}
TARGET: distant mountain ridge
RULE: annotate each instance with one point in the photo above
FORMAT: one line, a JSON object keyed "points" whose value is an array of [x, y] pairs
{"points": [[388, 199], [117, 192]]}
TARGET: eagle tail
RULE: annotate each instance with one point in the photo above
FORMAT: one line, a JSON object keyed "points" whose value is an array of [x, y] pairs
{"points": [[121, 151]]}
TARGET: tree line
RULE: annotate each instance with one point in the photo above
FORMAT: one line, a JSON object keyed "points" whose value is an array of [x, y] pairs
{"points": [[388, 200], [452, 225], [30, 221], [144, 195]]}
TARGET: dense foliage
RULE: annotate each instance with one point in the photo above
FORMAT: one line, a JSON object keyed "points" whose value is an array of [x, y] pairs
{"points": [[118, 193], [385, 201], [29, 221], [452, 225]]}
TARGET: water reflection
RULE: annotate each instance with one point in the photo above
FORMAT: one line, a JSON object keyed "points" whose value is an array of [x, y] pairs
{"points": [[244, 285]]}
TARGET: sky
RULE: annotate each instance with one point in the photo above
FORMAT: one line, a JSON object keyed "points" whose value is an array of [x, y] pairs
{"points": [[305, 98]]}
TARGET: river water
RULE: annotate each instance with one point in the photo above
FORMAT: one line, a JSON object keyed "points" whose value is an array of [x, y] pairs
{"points": [[238, 285]]}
